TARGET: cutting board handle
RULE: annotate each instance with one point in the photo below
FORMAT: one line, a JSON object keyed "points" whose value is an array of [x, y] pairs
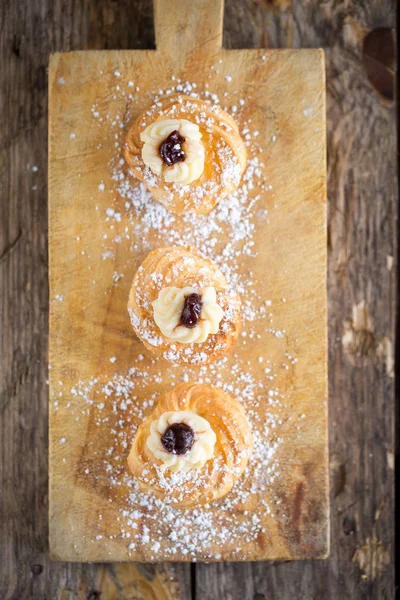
{"points": [[185, 27]]}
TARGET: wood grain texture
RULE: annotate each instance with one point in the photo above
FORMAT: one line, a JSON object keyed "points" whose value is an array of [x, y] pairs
{"points": [[361, 390], [362, 199], [85, 333]]}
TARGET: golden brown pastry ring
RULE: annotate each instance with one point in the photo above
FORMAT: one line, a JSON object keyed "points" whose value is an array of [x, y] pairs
{"points": [[232, 449], [225, 154], [182, 266]]}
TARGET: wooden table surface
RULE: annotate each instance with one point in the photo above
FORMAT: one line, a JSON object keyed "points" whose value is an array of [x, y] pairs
{"points": [[358, 38]]}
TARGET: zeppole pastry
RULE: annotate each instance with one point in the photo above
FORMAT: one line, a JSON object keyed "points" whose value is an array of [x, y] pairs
{"points": [[181, 307], [193, 447], [187, 151]]}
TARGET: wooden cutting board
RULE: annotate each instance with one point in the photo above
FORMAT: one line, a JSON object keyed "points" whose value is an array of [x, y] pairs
{"points": [[272, 240]]}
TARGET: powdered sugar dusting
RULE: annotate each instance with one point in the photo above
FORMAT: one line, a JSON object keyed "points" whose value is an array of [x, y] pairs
{"points": [[193, 533]]}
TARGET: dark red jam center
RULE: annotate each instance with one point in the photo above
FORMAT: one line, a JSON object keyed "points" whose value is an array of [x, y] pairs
{"points": [[191, 311], [171, 149], [178, 438]]}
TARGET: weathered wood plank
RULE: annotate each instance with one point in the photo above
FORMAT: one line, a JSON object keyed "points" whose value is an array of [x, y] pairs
{"points": [[363, 235], [362, 244], [30, 31]]}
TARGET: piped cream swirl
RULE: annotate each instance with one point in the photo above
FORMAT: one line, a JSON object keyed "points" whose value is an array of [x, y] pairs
{"points": [[181, 172], [168, 309], [201, 451]]}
